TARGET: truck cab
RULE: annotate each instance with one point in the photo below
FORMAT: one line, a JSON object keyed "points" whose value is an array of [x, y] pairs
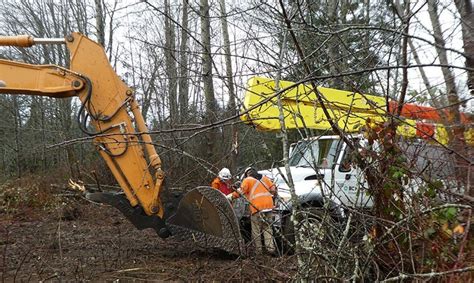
{"points": [[322, 171], [325, 176]]}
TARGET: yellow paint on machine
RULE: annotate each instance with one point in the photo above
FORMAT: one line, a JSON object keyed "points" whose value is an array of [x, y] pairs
{"points": [[350, 110]]}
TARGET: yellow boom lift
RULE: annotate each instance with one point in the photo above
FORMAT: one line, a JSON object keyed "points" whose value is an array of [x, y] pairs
{"points": [[350, 110]]}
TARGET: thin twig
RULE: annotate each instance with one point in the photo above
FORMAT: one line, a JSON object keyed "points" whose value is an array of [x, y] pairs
{"points": [[430, 275]]}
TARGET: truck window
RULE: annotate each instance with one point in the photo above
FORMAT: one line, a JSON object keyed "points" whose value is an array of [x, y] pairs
{"points": [[346, 161], [320, 153]]}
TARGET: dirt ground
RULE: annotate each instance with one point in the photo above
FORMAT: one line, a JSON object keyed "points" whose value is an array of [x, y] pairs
{"points": [[71, 239]]}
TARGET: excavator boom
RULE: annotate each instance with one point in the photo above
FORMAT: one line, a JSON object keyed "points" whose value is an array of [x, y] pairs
{"points": [[350, 110], [122, 139]]}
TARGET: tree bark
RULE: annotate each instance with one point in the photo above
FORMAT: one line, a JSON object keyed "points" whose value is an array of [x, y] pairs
{"points": [[183, 66], [210, 100], [231, 105], [333, 46], [403, 91], [170, 58], [456, 131], [100, 21], [448, 76], [464, 8], [17, 132]]}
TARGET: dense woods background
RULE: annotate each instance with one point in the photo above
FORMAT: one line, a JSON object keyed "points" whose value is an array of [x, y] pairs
{"points": [[189, 62]]}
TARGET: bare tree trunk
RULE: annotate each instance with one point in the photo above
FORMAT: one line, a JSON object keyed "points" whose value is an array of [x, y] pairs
{"points": [[230, 85], [147, 79], [211, 105], [333, 49], [401, 100], [183, 66], [100, 21], [443, 59], [110, 44], [17, 132], [289, 178], [457, 141], [43, 135], [228, 57], [170, 57], [464, 8], [303, 269], [4, 161]]}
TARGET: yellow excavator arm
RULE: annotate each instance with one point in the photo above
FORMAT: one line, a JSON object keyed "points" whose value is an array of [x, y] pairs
{"points": [[107, 100], [122, 139]]}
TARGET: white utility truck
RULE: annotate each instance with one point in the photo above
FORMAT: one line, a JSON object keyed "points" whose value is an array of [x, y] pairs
{"points": [[322, 167]]}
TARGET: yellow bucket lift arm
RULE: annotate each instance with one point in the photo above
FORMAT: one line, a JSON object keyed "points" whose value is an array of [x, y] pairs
{"points": [[350, 110]]}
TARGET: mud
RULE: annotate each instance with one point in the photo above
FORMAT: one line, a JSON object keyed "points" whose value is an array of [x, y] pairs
{"points": [[79, 241]]}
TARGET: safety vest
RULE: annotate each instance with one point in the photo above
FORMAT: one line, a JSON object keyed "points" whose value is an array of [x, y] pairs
{"points": [[258, 193], [220, 185]]}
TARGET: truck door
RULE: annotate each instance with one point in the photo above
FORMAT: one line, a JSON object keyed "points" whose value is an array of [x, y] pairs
{"points": [[350, 185]]}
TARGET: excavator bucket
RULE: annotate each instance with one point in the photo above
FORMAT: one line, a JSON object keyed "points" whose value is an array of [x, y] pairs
{"points": [[206, 217]]}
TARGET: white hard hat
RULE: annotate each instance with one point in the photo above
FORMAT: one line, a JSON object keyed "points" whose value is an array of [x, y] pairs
{"points": [[224, 174], [248, 169]]}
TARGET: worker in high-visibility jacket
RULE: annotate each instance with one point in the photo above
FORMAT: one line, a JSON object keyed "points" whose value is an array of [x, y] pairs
{"points": [[259, 191], [223, 181]]}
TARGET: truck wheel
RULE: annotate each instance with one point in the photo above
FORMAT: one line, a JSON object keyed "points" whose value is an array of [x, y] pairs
{"points": [[314, 224]]}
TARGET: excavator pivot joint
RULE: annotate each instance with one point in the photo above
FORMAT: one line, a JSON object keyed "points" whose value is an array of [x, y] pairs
{"points": [[154, 209], [76, 84]]}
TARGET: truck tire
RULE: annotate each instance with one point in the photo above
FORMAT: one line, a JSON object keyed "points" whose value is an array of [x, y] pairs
{"points": [[311, 220]]}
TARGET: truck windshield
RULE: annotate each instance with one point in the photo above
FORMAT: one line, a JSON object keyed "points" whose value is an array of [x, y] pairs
{"points": [[320, 153]]}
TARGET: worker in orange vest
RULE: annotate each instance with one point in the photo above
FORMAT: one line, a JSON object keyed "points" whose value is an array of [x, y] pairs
{"points": [[259, 191], [223, 181]]}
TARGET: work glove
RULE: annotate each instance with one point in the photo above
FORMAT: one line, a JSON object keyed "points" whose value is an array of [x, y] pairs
{"points": [[236, 185], [229, 197]]}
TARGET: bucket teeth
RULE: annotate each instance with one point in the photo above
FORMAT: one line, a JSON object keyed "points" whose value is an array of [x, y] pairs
{"points": [[206, 217]]}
